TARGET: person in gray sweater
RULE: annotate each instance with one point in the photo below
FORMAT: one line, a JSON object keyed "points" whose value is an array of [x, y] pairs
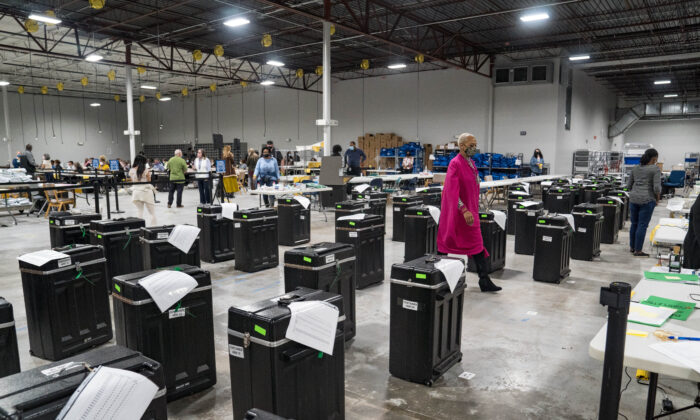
{"points": [[644, 184]]}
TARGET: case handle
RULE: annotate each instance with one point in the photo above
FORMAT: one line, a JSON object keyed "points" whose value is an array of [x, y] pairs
{"points": [[294, 355], [287, 299]]}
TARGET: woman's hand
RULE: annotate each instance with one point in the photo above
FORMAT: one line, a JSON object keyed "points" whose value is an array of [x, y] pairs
{"points": [[468, 217]]}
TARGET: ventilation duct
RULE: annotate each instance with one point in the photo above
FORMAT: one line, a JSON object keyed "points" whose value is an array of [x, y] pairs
{"points": [[654, 111], [626, 121]]}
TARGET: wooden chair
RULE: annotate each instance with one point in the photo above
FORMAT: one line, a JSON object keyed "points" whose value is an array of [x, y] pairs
{"points": [[58, 203]]}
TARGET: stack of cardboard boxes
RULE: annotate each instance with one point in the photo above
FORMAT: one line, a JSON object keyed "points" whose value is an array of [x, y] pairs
{"points": [[372, 144]]}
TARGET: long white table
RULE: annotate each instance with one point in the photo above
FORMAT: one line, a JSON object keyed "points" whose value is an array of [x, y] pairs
{"points": [[387, 178], [638, 354], [499, 187], [290, 192]]}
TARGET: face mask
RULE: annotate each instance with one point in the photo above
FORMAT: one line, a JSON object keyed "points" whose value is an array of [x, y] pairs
{"points": [[351, 148], [470, 151]]}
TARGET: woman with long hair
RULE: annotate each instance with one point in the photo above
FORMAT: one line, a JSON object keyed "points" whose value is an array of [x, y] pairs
{"points": [[202, 167], [644, 184], [536, 162], [143, 194]]}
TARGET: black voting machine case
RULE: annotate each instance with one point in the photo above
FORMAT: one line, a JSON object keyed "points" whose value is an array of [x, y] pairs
{"points": [[66, 228], [294, 222], [216, 235], [588, 219], [526, 220], [325, 266], [376, 200], [367, 237], [255, 236], [553, 242], [611, 219], [158, 252], [67, 303], [181, 338], [120, 240], [494, 241], [41, 393], [420, 233], [350, 207], [513, 198], [425, 321], [9, 354], [400, 204], [278, 375]]}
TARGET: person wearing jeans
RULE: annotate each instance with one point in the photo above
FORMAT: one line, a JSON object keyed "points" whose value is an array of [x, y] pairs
{"points": [[202, 166], [177, 167], [644, 184], [267, 172]]}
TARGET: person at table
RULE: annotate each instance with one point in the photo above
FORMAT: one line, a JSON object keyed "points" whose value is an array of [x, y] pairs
{"points": [[691, 244], [78, 168], [267, 172], [70, 166], [459, 232], [644, 185], [177, 167], [17, 160], [46, 162], [252, 162], [536, 163], [229, 161], [27, 160], [57, 166], [354, 159], [142, 195], [337, 150], [104, 165], [158, 165], [202, 167], [407, 165]]}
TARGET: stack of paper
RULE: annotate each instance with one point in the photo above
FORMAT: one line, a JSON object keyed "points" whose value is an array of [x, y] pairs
{"points": [[313, 324], [683, 309], [648, 315], [685, 352]]}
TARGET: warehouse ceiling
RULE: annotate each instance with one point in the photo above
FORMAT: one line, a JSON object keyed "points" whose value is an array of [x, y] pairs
{"points": [[631, 43]]}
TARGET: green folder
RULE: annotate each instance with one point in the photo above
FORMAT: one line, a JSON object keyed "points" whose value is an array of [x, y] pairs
{"points": [[670, 277], [683, 309]]}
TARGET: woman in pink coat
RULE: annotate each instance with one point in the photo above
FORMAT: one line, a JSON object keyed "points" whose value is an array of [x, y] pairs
{"points": [[459, 231]]}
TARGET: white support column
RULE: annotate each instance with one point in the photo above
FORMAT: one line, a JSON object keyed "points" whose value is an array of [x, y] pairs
{"points": [[6, 112], [130, 113], [327, 89]]}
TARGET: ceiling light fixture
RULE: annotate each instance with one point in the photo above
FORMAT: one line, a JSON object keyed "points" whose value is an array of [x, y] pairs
{"points": [[662, 82], [275, 63], [4, 83], [45, 19], [164, 99], [236, 22], [396, 66], [579, 57], [534, 17], [95, 104], [93, 58], [671, 95], [267, 83], [149, 87]]}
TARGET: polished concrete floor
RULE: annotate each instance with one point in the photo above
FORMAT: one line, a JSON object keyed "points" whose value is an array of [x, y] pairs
{"points": [[527, 345]]}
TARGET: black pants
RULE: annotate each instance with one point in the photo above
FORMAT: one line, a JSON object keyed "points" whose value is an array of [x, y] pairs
{"points": [[175, 186], [354, 170], [204, 191]]}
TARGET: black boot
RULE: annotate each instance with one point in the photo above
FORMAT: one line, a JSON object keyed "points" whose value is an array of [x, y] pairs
{"points": [[487, 285]]}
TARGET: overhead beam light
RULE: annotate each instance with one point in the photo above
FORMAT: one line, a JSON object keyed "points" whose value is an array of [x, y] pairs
{"points": [[275, 63], [267, 82], [396, 66], [671, 95], [165, 99], [662, 82], [95, 104], [236, 22], [93, 58], [45, 19], [149, 87], [4, 83], [579, 57], [535, 17]]}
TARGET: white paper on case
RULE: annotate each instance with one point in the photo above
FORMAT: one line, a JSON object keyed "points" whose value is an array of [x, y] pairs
{"points": [[303, 201], [452, 270], [167, 287], [361, 188], [313, 324], [570, 218], [527, 203], [183, 236], [39, 258], [434, 213], [500, 218], [358, 216], [227, 210]]}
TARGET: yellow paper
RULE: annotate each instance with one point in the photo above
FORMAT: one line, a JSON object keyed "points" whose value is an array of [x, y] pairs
{"points": [[637, 333]]}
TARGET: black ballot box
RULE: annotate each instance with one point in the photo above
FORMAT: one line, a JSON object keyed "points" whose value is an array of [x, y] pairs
{"points": [[611, 219], [273, 373], [216, 234], [518, 189], [512, 204], [432, 196], [293, 222], [9, 353], [326, 266], [624, 207], [331, 198], [120, 240], [366, 235], [591, 193], [400, 204], [525, 227], [67, 303], [494, 241], [350, 207], [67, 228], [181, 338], [588, 220], [420, 232], [425, 330], [158, 252], [559, 200], [42, 392], [577, 192], [255, 237], [376, 199], [553, 242]]}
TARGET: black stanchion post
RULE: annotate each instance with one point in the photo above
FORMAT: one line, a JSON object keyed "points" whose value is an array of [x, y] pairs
{"points": [[109, 212], [96, 192], [617, 298], [116, 196]]}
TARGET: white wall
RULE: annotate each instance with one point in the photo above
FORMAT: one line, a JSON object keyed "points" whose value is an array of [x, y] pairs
{"points": [[68, 127], [672, 138]]}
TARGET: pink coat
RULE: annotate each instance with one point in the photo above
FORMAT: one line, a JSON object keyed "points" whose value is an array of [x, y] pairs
{"points": [[454, 235]]}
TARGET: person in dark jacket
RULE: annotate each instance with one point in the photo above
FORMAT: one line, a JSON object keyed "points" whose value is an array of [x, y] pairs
{"points": [[691, 245], [644, 184]]}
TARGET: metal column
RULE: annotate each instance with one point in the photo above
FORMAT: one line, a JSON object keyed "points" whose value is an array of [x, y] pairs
{"points": [[130, 113], [327, 88], [6, 112]]}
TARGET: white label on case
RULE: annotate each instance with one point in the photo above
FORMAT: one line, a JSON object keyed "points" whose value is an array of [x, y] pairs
{"points": [[65, 262], [582, 230], [61, 368], [410, 305], [69, 222], [219, 216], [353, 234], [330, 258], [302, 217], [559, 197], [531, 213], [236, 351], [397, 209], [163, 235], [547, 238], [236, 225], [176, 313], [515, 206], [366, 206]]}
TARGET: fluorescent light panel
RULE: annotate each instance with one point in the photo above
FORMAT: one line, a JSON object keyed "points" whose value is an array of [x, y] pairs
{"points": [[149, 87], [671, 95], [579, 57], [534, 17], [239, 21], [93, 58], [267, 82], [45, 19], [662, 82], [165, 99], [94, 104], [4, 83], [396, 66], [275, 63]]}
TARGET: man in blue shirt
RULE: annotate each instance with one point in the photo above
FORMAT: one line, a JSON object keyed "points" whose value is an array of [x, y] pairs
{"points": [[354, 158], [266, 173]]}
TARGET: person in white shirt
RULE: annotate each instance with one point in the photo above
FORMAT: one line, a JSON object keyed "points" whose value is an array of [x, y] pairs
{"points": [[202, 167]]}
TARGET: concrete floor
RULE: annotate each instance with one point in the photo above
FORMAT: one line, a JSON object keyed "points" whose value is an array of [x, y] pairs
{"points": [[527, 345]]}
